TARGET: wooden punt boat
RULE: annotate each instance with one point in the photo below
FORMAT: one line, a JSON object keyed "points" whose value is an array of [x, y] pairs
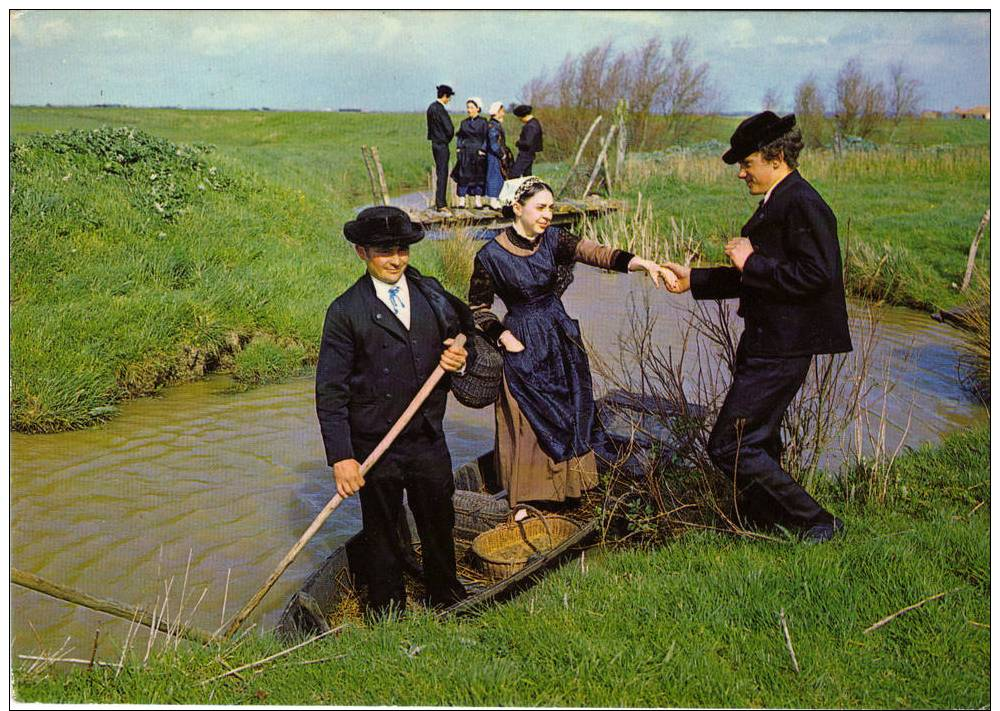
{"points": [[335, 591]]}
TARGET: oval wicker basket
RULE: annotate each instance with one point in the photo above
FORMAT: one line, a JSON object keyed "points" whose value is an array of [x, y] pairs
{"points": [[506, 549]]}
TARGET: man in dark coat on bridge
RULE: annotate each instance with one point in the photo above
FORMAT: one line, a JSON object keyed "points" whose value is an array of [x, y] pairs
{"points": [[440, 131], [786, 272], [382, 339], [529, 142]]}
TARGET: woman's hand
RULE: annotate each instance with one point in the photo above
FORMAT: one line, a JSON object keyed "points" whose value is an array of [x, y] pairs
{"points": [[509, 341], [655, 271], [683, 275]]}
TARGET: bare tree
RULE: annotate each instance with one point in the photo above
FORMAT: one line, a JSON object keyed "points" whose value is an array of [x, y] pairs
{"points": [[686, 90], [809, 111], [771, 100], [904, 93], [860, 104]]}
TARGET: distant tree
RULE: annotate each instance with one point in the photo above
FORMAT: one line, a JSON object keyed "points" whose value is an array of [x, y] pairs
{"points": [[860, 106], [771, 100], [904, 93], [809, 111]]}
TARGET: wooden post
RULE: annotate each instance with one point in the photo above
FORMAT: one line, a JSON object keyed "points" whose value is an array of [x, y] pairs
{"points": [[371, 176], [973, 248], [381, 176], [600, 160], [110, 607], [579, 154], [622, 148], [433, 183]]}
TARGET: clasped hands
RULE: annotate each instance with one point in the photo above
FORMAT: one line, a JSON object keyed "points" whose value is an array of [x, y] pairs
{"points": [[738, 249]]}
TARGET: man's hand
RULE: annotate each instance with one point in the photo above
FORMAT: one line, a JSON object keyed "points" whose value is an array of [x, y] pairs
{"points": [[738, 250], [347, 474], [453, 357], [655, 271], [509, 341], [683, 277]]}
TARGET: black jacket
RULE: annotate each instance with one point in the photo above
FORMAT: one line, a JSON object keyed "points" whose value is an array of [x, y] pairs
{"points": [[370, 367], [440, 129], [530, 140], [791, 290]]}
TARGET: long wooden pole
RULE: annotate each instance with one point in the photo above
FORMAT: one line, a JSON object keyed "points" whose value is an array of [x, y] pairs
{"points": [[371, 176], [579, 154], [600, 160], [973, 248], [110, 607], [381, 175], [332, 505]]}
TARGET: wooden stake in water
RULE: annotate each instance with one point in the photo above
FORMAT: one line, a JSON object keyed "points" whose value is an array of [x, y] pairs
{"points": [[332, 505], [973, 248]]}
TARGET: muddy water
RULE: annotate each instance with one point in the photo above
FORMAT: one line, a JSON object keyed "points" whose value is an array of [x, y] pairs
{"points": [[232, 480]]}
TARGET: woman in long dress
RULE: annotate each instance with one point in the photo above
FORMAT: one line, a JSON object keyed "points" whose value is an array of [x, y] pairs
{"points": [[497, 154], [545, 411], [470, 167]]}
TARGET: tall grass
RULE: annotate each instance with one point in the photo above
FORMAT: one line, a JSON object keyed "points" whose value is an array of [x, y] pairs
{"points": [[975, 361]]}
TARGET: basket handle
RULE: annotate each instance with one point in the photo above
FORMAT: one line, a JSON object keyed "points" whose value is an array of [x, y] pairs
{"points": [[520, 525]]}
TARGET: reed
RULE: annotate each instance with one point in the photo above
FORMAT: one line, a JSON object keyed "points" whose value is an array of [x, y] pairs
{"points": [[974, 365], [456, 253]]}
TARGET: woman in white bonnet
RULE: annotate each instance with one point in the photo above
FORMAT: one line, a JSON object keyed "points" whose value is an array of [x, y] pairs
{"points": [[498, 156], [470, 167]]}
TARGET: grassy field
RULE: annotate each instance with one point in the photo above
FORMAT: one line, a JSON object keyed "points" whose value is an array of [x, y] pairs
{"points": [[141, 258], [695, 622]]}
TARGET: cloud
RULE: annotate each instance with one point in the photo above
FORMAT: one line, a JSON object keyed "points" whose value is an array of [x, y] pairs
{"points": [[34, 29]]}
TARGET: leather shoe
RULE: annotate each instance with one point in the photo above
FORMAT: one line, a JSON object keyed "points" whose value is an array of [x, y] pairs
{"points": [[823, 532]]}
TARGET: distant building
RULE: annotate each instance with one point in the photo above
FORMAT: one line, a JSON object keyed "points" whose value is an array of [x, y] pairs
{"points": [[353, 111], [930, 114], [976, 112]]}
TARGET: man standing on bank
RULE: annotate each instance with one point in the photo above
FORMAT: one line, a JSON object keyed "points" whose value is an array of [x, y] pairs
{"points": [[528, 143], [382, 339], [440, 131], [787, 275]]}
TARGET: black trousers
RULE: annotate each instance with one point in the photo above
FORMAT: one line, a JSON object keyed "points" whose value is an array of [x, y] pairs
{"points": [[422, 466], [746, 443], [441, 154], [522, 164]]}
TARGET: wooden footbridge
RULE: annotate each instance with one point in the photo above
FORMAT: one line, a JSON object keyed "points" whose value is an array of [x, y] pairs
{"points": [[564, 212]]}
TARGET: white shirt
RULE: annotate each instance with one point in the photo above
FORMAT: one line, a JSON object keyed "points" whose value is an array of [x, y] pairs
{"points": [[396, 297]]}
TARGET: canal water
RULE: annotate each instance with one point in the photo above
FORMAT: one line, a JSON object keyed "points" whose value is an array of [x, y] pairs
{"points": [[204, 484]]}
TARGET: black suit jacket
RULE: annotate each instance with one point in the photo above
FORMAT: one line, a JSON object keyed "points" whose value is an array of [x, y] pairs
{"points": [[440, 129], [791, 290], [370, 367], [530, 140]]}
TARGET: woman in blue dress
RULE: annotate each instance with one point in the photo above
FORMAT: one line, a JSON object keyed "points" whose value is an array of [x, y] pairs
{"points": [[498, 156], [545, 411], [470, 167]]}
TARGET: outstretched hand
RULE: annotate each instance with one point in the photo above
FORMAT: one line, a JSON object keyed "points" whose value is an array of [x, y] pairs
{"points": [[655, 272], [682, 277]]}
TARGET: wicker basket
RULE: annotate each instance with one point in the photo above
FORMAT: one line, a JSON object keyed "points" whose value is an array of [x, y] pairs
{"points": [[506, 549]]}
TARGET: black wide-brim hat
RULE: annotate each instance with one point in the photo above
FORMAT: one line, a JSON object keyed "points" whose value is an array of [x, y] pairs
{"points": [[383, 226], [521, 110], [755, 133]]}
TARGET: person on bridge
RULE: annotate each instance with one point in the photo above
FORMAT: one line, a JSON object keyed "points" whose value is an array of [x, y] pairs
{"points": [[786, 272], [470, 166], [498, 157], [382, 339], [529, 143], [440, 131], [545, 410]]}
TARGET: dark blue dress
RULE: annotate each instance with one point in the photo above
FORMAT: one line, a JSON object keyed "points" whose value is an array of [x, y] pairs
{"points": [[550, 378]]}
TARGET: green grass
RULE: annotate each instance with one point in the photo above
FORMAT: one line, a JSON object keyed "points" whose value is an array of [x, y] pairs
{"points": [[692, 623], [122, 282]]}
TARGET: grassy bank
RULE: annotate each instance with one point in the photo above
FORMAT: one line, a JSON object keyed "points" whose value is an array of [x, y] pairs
{"points": [[695, 622], [212, 239]]}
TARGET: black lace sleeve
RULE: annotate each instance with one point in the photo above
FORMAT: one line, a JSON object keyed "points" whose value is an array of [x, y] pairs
{"points": [[481, 293]]}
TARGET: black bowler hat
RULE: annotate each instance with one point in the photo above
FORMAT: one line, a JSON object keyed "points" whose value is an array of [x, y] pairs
{"points": [[521, 110], [755, 133], [445, 90], [383, 226]]}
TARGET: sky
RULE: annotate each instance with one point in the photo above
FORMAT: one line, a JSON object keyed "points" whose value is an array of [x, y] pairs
{"points": [[385, 60]]}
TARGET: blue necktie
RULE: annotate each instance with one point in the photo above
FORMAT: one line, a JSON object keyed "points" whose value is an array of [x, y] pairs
{"points": [[395, 300]]}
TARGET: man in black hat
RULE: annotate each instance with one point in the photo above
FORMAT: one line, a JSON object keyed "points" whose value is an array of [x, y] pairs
{"points": [[786, 272], [382, 339], [440, 131], [528, 143]]}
